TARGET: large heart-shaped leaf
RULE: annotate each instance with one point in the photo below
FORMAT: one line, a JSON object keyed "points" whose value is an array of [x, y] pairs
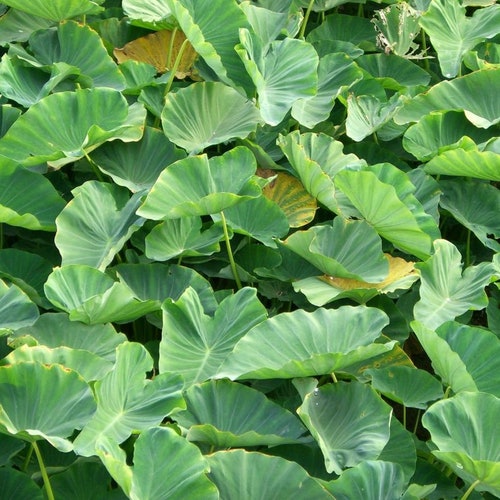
{"points": [[44, 402], [473, 93], [137, 165], [301, 344], [436, 131], [283, 74], [239, 473], [56, 330], [212, 27], [445, 292], [79, 46], [470, 163], [154, 15], [16, 484], [195, 344], [27, 199], [207, 113], [379, 204], [476, 205], [91, 296], [17, 26], [97, 115], [335, 73], [201, 186], [369, 479], [321, 290], [461, 428], [126, 401], [56, 10], [452, 34], [316, 159], [16, 309], [94, 226], [254, 420], [156, 474], [349, 421], [344, 249]]}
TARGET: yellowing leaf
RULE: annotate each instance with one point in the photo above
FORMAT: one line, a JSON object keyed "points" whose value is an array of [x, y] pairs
{"points": [[161, 50], [289, 194], [399, 270]]}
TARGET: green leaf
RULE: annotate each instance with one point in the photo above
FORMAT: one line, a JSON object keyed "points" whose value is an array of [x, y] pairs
{"points": [[16, 309], [95, 225], [397, 26], [89, 366], [157, 282], [410, 387], [137, 165], [44, 402], [445, 361], [98, 115], [207, 113], [201, 186], [283, 74], [479, 351], [259, 218], [316, 159], [83, 478], [212, 27], [126, 401], [445, 292], [369, 479], [392, 71], [321, 290], [27, 199], [10, 447], [195, 344], [379, 204], [183, 238], [56, 330], [239, 473], [253, 421], [16, 484], [354, 29], [366, 114], [439, 130], [17, 26], [28, 271], [79, 46], [473, 93], [476, 206], [91, 296], [154, 15], [302, 344], [156, 474], [472, 163], [335, 73], [56, 10], [461, 427], [349, 421], [452, 34], [347, 249]]}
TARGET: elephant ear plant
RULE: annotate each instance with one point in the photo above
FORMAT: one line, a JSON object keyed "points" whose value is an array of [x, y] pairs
{"points": [[249, 249]]}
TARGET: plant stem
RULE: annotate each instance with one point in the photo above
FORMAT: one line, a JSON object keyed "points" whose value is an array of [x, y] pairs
{"points": [[230, 252], [43, 470], [27, 459], [173, 71], [467, 249], [427, 66], [94, 166], [417, 420], [471, 489], [404, 416], [171, 47], [1, 235], [375, 138], [334, 378], [306, 18]]}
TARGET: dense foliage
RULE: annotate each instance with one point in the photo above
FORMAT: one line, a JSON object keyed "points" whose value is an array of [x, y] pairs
{"points": [[249, 250]]}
